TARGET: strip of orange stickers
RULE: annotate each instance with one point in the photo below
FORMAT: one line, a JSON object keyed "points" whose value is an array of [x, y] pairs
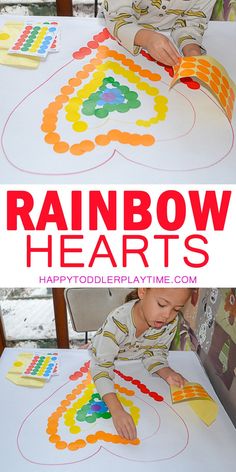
{"points": [[211, 74]]}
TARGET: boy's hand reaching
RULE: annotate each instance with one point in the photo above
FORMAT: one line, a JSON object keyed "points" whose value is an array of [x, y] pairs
{"points": [[123, 422], [158, 46], [124, 425], [172, 377], [176, 379]]}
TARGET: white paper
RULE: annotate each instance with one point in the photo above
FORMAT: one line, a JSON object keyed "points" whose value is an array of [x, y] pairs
{"points": [[172, 437]]}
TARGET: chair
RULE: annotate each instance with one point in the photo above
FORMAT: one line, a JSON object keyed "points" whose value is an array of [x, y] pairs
{"points": [[89, 307], [65, 7]]}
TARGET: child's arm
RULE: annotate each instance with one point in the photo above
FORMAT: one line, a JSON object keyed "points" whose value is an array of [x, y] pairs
{"points": [[156, 357], [121, 21], [105, 347], [188, 30]]}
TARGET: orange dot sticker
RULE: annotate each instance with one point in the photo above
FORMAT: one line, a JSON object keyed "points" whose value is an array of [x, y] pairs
{"points": [[61, 445], [203, 69], [61, 147], [204, 62], [216, 70], [189, 387], [215, 78], [187, 73], [188, 65], [214, 86], [79, 444], [225, 82], [203, 77], [222, 99]]}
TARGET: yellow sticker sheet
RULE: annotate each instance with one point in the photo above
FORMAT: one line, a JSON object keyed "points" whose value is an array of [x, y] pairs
{"points": [[18, 367], [198, 399], [211, 74], [9, 33]]}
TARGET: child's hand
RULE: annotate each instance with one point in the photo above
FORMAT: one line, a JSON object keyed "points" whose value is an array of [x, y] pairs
{"points": [[158, 46], [123, 422], [192, 50], [171, 377], [124, 425], [176, 379], [162, 49]]}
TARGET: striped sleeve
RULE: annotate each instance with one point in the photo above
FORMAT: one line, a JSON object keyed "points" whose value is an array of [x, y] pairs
{"points": [[104, 349], [190, 27], [122, 22]]}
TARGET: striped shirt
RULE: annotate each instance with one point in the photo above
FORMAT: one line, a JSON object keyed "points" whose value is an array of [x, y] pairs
{"points": [[116, 339], [185, 19]]}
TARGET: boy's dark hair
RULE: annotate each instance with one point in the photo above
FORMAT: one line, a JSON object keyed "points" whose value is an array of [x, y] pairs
{"points": [[132, 296]]}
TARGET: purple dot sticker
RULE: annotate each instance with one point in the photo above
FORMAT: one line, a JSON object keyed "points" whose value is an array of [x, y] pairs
{"points": [[95, 408]]}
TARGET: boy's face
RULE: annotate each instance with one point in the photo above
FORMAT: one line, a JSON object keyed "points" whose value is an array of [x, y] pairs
{"points": [[160, 306]]}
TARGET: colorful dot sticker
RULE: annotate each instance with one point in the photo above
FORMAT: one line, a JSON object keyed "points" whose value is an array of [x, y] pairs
{"points": [[35, 40], [41, 367], [4, 36], [211, 73]]}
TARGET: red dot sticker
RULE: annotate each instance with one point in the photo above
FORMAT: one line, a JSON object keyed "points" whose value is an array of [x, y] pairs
{"points": [[75, 376]]}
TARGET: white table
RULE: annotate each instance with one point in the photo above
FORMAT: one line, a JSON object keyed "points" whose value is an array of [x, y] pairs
{"points": [[195, 142], [172, 438]]}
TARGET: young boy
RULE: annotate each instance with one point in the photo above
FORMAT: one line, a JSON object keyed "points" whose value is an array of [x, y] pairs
{"points": [[136, 24], [142, 328]]}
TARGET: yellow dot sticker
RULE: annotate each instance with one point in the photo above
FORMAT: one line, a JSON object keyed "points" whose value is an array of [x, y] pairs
{"points": [[18, 364], [4, 36]]}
